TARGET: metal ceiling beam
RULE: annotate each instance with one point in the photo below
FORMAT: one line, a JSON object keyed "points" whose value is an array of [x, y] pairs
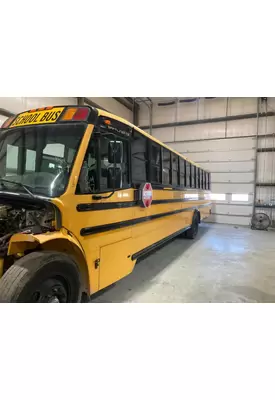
{"points": [[6, 113], [210, 120], [80, 101]]}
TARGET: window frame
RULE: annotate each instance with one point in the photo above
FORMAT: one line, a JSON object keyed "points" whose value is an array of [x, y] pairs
{"points": [[187, 174], [135, 183], [96, 137], [184, 172], [192, 176], [163, 149], [177, 161], [151, 164]]}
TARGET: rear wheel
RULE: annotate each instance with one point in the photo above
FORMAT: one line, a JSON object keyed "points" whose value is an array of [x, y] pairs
{"points": [[41, 277], [192, 232]]}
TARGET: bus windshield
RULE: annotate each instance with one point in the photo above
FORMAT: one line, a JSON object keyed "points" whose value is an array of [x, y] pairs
{"points": [[39, 158]]}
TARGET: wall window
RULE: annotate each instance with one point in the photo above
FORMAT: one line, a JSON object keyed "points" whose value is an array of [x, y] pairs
{"points": [[217, 196], [239, 197], [139, 158], [182, 172], [155, 163], [166, 166], [193, 196], [175, 166], [188, 169]]}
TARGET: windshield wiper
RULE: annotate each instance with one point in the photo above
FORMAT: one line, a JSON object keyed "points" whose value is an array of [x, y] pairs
{"points": [[17, 183]]}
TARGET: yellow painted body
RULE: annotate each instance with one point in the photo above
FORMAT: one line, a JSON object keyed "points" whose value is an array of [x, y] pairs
{"points": [[113, 249]]}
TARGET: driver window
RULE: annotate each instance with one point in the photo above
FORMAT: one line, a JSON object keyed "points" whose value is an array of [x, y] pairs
{"points": [[88, 178], [97, 172]]}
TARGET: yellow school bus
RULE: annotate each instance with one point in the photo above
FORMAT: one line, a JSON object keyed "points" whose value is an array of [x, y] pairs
{"points": [[83, 195]]}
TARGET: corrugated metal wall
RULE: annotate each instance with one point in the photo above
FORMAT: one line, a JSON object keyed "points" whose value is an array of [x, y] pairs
{"points": [[226, 148]]}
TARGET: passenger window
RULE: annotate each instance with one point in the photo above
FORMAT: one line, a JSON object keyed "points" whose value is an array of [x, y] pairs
{"points": [[175, 165], [188, 169], [193, 182], [201, 179], [155, 163], [197, 177], [182, 172], [204, 180], [166, 166], [209, 181], [139, 158]]}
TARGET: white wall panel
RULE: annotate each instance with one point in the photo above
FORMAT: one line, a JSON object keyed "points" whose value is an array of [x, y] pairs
{"points": [[228, 219], [242, 105], [232, 209], [200, 131], [165, 134], [188, 111], [264, 141], [19, 104], [242, 127], [227, 166], [217, 145], [244, 155], [212, 108], [241, 188], [266, 167], [231, 176], [113, 106], [265, 194], [266, 125]]}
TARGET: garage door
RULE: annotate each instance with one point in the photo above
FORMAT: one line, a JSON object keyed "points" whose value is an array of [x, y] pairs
{"points": [[231, 163]]}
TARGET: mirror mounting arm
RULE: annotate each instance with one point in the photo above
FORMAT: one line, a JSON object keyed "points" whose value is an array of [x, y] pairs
{"points": [[98, 197]]}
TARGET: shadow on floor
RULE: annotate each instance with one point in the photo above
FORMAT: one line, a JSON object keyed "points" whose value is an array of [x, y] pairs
{"points": [[251, 294], [147, 269]]}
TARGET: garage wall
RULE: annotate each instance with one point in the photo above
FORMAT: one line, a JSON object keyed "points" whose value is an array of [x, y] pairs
{"points": [[226, 148], [113, 106]]}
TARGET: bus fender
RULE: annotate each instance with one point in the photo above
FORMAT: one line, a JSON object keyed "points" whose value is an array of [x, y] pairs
{"points": [[54, 241]]}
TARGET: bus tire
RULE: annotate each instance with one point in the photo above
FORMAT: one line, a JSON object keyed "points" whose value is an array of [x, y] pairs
{"points": [[41, 277], [191, 233]]}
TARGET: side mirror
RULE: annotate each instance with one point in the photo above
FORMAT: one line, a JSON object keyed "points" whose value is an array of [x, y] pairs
{"points": [[115, 152], [114, 178]]}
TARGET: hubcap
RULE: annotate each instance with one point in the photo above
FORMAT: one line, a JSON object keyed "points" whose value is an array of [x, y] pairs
{"points": [[50, 291]]}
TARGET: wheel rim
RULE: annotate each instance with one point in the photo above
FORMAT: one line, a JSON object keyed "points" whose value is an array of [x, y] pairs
{"points": [[50, 291]]}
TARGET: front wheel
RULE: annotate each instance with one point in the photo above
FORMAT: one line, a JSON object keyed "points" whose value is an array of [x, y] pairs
{"points": [[41, 277], [192, 232]]}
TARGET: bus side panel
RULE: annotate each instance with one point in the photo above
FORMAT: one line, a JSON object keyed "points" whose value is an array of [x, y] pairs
{"points": [[115, 262], [154, 231]]}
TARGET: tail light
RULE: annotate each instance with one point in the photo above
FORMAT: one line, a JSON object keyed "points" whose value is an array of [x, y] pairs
{"points": [[76, 114]]}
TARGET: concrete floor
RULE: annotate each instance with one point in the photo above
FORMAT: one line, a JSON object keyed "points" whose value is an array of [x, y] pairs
{"points": [[223, 264]]}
